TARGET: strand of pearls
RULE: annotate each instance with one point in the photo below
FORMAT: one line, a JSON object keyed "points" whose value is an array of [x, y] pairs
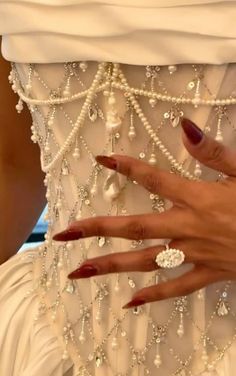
{"points": [[150, 131], [67, 144], [168, 98], [146, 93]]}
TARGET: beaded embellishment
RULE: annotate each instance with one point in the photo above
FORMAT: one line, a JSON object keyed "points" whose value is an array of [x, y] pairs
{"points": [[102, 108]]}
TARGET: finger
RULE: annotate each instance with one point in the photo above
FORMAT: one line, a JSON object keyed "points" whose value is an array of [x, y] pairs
{"points": [[171, 186], [141, 260], [207, 150], [173, 223], [197, 278]]}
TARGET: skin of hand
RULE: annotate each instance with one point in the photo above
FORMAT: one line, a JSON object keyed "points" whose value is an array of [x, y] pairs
{"points": [[201, 222]]}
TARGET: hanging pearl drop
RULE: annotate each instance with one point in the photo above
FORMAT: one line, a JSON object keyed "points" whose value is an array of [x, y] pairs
{"points": [[111, 188], [113, 124], [197, 171], [60, 264], [172, 69], [83, 66], [93, 190], [180, 331], [76, 153], [152, 102], [152, 160], [117, 286], [112, 99], [132, 133], [219, 136], [157, 361], [19, 106], [65, 355], [82, 337]]}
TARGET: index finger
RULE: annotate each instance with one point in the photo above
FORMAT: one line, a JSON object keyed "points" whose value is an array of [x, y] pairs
{"points": [[155, 180]]}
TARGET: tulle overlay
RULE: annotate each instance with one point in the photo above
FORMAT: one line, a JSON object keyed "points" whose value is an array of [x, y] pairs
{"points": [[51, 326]]}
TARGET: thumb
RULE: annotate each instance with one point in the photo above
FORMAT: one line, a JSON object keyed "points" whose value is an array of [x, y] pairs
{"points": [[207, 150]]}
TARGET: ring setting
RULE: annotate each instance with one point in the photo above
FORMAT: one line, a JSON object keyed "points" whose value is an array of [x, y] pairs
{"points": [[170, 258]]}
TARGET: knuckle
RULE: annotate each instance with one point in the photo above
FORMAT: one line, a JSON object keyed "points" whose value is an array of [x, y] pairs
{"points": [[129, 171], [151, 183], [148, 260], [111, 266], [98, 227], [161, 294], [216, 153], [136, 230]]}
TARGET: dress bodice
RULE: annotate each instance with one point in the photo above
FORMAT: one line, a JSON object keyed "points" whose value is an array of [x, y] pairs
{"points": [[79, 110]]}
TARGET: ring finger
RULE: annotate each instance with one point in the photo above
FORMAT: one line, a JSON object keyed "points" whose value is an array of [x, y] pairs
{"points": [[141, 260]]}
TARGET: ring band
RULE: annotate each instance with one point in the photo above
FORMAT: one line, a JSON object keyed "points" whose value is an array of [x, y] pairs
{"points": [[170, 258]]}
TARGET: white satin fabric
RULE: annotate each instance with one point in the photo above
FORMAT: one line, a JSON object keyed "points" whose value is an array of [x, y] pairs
{"points": [[133, 31]]}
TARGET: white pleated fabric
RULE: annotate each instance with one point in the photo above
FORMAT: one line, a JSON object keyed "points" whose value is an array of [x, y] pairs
{"points": [[35, 348], [28, 348], [133, 32]]}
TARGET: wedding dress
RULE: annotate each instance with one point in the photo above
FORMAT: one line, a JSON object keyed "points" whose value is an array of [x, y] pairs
{"points": [[54, 326]]}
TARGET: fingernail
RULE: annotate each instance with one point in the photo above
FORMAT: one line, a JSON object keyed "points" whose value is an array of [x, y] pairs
{"points": [[68, 235], [83, 271], [106, 161], [134, 303], [192, 131]]}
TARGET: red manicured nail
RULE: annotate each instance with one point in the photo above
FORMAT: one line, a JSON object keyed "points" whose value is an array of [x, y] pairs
{"points": [[68, 235], [134, 303], [83, 271], [192, 131], [107, 161]]}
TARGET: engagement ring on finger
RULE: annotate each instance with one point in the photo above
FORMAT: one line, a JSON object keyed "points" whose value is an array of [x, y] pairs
{"points": [[170, 258]]}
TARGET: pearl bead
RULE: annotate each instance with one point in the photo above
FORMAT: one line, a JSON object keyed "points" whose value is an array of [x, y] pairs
{"points": [[111, 100], [152, 102], [69, 246], [65, 355], [131, 135], [82, 338]]}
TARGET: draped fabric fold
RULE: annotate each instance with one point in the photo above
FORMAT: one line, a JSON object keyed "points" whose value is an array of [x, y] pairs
{"points": [[194, 31]]}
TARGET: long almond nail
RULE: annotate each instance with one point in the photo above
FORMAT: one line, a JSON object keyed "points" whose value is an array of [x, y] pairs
{"points": [[134, 303], [192, 131], [68, 235], [107, 161], [83, 271]]}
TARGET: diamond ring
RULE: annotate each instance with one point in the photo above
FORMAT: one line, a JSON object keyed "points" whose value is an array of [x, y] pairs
{"points": [[170, 258]]}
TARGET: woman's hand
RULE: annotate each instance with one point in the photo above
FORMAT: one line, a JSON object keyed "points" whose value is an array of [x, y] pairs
{"points": [[201, 223]]}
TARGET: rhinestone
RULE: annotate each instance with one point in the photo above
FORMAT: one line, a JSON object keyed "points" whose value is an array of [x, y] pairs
{"points": [[70, 287], [222, 309], [131, 283], [190, 85], [166, 115], [101, 241], [98, 360], [141, 155], [117, 135], [123, 333], [92, 113]]}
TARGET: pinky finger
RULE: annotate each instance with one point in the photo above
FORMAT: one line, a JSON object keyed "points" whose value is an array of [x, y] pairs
{"points": [[197, 278]]}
